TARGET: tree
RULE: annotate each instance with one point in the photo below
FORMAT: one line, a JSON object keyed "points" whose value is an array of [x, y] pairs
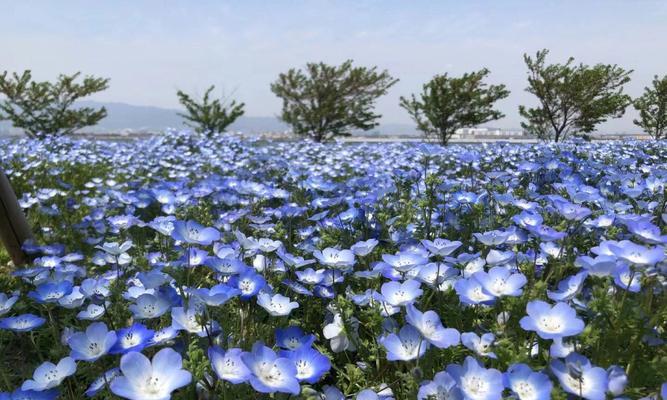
{"points": [[448, 103], [208, 116], [327, 101], [44, 108], [573, 98], [652, 107]]}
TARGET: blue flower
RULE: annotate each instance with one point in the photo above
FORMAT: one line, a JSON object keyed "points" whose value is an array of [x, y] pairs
{"points": [[480, 345], [149, 306], [22, 323], [407, 345], [270, 373], [6, 303], [334, 258], [228, 365], [51, 292], [443, 386], [249, 283], [429, 325], [477, 382], [193, 233], [134, 338], [528, 384], [472, 292], [579, 377], [400, 294], [20, 394], [293, 337], [143, 379], [276, 304], [310, 364], [102, 381], [568, 287], [627, 279], [93, 344], [500, 281], [551, 322], [48, 375]]}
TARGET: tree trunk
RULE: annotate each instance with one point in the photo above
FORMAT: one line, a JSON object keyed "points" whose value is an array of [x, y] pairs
{"points": [[14, 228]]}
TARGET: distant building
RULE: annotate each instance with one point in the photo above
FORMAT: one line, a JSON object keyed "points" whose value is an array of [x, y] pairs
{"points": [[490, 132]]}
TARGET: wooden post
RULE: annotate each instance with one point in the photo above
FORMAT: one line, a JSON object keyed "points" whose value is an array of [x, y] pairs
{"points": [[14, 228]]}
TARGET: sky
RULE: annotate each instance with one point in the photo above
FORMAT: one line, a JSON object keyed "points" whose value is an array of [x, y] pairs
{"points": [[149, 49]]}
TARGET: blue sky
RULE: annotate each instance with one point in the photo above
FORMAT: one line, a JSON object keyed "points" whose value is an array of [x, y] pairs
{"points": [[151, 48]]}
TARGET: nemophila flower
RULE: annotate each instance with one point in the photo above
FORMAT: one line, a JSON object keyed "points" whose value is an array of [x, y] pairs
{"points": [[149, 306], [579, 377], [93, 312], [22, 323], [292, 338], [500, 281], [92, 344], [429, 326], [336, 332], [527, 384], [407, 345], [480, 345], [115, 249], [163, 336], [268, 246], [102, 381], [20, 394], [571, 211], [276, 304], [334, 258], [310, 364], [433, 274], [647, 232], [627, 279], [248, 282], [617, 380], [294, 261], [399, 294], [560, 348], [310, 277], [443, 386], [477, 382], [637, 254], [551, 322], [527, 219], [49, 375], [364, 248], [497, 257], [133, 338], [191, 320], [216, 295], [405, 261], [74, 299], [568, 287], [96, 289], [144, 379], [164, 225], [441, 247], [492, 238], [6, 303], [600, 266], [546, 233], [228, 365], [51, 292], [472, 292], [193, 233], [269, 372]]}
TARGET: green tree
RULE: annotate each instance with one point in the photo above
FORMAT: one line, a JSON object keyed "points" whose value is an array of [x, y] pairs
{"points": [[573, 99], [449, 103], [44, 108], [208, 116], [652, 107], [326, 101]]}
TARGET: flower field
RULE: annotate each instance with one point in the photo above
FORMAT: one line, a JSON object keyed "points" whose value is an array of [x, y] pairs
{"points": [[190, 268]]}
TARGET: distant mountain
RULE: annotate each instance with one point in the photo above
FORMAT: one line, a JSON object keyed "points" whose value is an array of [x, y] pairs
{"points": [[123, 117]]}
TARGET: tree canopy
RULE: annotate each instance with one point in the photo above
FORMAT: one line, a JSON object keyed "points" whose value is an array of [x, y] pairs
{"points": [[573, 99], [325, 101], [652, 107], [449, 103], [209, 116], [45, 108]]}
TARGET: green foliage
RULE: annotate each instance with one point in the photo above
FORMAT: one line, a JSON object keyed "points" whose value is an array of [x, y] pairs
{"points": [[45, 108], [449, 103], [652, 107], [573, 99], [209, 116], [327, 101]]}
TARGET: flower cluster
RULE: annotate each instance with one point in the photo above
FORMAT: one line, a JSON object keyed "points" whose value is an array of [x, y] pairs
{"points": [[187, 267]]}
